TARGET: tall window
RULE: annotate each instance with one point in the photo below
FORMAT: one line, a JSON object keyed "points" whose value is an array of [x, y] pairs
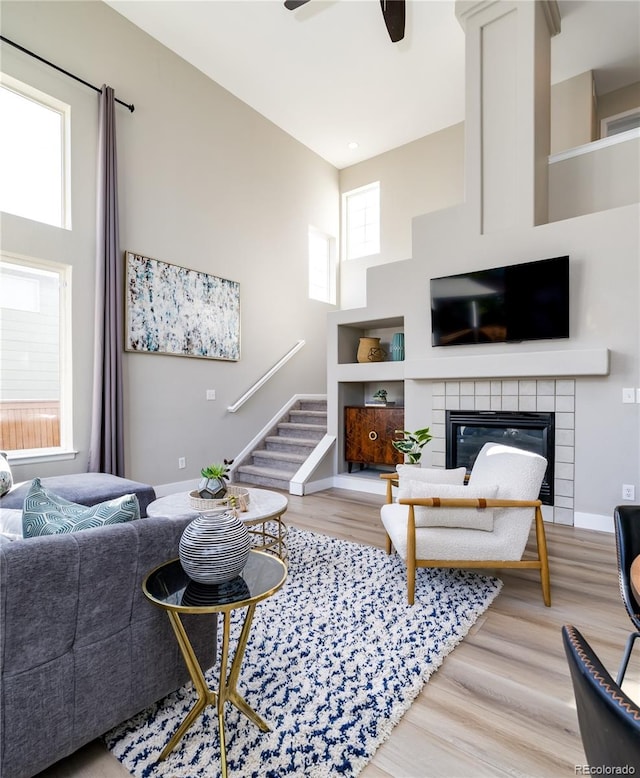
{"points": [[34, 139], [361, 221], [35, 370], [322, 267]]}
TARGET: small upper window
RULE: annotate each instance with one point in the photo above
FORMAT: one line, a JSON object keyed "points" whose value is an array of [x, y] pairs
{"points": [[361, 221], [322, 267], [620, 122], [34, 137]]}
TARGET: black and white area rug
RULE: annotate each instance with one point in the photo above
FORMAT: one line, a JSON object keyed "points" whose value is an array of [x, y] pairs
{"points": [[334, 660]]}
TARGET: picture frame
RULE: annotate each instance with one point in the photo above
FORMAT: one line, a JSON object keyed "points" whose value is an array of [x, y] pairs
{"points": [[177, 311]]}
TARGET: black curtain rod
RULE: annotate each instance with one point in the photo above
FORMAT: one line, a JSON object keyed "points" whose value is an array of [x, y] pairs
{"points": [[131, 107]]}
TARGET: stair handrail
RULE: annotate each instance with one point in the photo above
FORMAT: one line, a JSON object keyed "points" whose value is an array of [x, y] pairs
{"points": [[269, 374]]}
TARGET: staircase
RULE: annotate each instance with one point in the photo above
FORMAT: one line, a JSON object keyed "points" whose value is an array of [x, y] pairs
{"points": [[286, 447]]}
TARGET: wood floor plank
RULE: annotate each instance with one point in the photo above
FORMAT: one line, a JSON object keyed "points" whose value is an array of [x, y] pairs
{"points": [[502, 703]]}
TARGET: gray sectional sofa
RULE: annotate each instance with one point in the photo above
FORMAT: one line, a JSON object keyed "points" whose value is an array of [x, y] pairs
{"points": [[81, 649], [84, 489]]}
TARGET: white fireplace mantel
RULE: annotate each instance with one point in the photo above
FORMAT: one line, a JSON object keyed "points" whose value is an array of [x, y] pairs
{"points": [[534, 364]]}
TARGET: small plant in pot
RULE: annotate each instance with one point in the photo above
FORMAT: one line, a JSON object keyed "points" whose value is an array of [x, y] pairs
{"points": [[212, 485], [412, 443], [381, 395]]}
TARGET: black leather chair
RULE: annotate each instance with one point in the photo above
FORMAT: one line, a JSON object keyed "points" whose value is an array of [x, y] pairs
{"points": [[627, 527], [609, 720]]}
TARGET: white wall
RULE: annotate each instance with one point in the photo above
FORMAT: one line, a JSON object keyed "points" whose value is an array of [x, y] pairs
{"points": [[417, 178], [600, 179], [606, 175], [573, 112], [604, 250], [428, 175], [205, 182]]}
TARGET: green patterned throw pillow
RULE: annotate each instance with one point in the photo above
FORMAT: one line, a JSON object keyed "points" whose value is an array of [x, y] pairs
{"points": [[46, 513]]}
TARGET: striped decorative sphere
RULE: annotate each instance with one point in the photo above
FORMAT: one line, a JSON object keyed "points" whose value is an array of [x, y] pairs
{"points": [[214, 547]]}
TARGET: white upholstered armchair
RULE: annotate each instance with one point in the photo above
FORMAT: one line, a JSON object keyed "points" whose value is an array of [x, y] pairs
{"points": [[483, 524]]}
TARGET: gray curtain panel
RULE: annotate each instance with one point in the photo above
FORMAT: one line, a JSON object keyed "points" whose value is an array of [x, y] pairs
{"points": [[106, 447]]}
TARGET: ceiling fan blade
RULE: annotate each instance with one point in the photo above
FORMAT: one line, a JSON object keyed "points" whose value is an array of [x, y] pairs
{"points": [[393, 12], [291, 5]]}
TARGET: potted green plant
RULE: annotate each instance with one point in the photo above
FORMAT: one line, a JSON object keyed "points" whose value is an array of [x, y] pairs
{"points": [[412, 443], [213, 486], [381, 396]]}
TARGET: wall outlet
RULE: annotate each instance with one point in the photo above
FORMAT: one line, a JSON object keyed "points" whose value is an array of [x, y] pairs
{"points": [[628, 492], [211, 394], [182, 463]]}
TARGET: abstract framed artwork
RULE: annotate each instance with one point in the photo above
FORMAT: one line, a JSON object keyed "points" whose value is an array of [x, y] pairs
{"points": [[174, 310]]}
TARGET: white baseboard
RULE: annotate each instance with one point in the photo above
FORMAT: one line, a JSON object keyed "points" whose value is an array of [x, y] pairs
{"points": [[593, 521], [310, 487], [355, 484], [162, 490]]}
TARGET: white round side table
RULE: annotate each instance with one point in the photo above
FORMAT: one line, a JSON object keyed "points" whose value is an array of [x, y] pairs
{"points": [[263, 517]]}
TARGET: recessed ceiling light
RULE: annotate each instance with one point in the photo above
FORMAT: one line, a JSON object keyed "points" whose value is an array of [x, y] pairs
{"points": [[352, 145]]}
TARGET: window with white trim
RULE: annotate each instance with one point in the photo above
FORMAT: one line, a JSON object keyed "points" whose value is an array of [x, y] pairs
{"points": [[620, 122], [35, 370], [361, 221], [322, 267], [34, 154]]}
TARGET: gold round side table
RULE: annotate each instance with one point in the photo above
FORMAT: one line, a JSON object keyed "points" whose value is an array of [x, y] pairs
{"points": [[170, 588]]}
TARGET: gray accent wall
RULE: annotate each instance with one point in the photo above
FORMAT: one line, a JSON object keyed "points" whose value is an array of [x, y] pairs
{"points": [[205, 182]]}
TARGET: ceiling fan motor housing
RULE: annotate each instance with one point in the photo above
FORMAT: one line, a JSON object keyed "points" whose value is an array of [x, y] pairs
{"points": [[393, 13]]}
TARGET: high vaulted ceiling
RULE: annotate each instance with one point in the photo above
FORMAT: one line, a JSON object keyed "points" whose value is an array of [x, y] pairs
{"points": [[328, 74]]}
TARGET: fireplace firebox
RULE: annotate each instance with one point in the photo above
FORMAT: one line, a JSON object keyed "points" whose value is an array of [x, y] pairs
{"points": [[468, 431]]}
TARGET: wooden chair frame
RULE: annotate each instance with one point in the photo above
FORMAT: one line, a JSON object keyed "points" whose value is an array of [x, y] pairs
{"points": [[541, 563]]}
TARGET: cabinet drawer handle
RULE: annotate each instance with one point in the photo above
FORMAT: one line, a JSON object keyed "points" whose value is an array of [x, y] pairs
{"points": [[373, 435]]}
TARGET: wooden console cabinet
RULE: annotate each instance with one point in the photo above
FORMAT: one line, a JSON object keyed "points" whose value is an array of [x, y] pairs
{"points": [[368, 433]]}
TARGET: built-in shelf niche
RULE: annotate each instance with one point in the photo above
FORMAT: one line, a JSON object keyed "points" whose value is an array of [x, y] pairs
{"points": [[349, 337], [361, 392]]}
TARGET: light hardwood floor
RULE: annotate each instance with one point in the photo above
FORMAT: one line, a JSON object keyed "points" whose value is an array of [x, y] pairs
{"points": [[502, 703]]}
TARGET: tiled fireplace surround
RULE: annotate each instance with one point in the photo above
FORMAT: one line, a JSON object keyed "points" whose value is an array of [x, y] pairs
{"points": [[547, 395]]}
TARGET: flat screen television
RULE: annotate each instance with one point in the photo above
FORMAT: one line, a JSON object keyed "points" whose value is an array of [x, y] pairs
{"points": [[503, 304]]}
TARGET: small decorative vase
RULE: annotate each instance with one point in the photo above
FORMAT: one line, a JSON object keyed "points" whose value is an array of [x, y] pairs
{"points": [[214, 547], [212, 488], [369, 350], [397, 347]]}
